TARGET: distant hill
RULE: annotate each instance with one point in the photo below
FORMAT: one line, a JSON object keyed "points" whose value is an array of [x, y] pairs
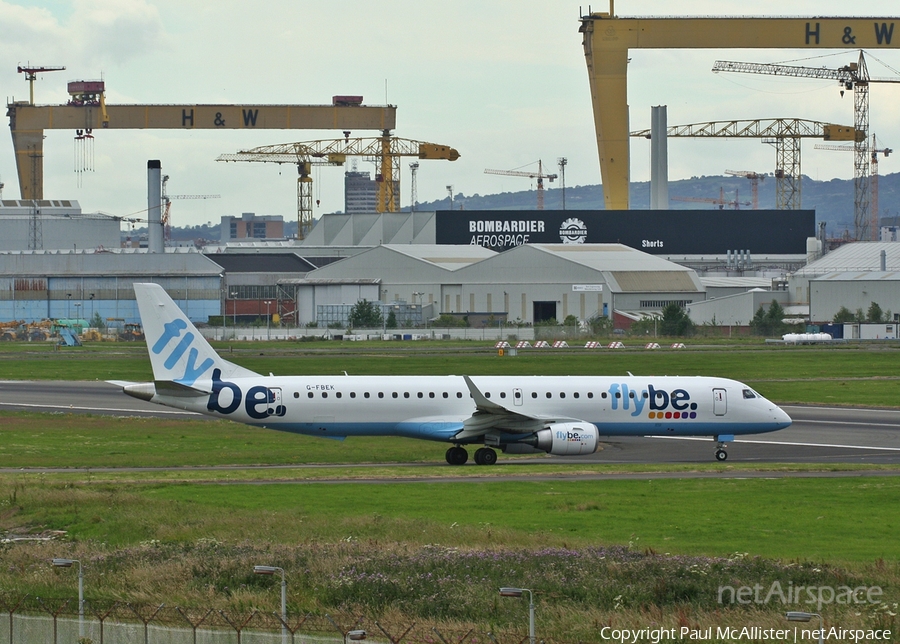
{"points": [[832, 201]]}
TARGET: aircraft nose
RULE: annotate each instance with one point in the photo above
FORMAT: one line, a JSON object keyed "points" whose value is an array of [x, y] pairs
{"points": [[781, 418]]}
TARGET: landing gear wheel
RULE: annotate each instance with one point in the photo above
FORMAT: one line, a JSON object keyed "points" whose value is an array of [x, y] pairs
{"points": [[457, 456], [721, 455], [485, 456]]}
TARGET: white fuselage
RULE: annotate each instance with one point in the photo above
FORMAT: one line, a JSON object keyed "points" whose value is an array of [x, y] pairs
{"points": [[435, 407]]}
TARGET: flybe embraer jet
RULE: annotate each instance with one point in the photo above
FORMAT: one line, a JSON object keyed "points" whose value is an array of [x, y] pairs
{"points": [[560, 415]]}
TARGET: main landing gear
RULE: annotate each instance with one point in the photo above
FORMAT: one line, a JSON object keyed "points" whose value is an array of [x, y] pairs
{"points": [[483, 456]]}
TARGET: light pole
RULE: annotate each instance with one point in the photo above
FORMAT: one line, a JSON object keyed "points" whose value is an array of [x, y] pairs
{"points": [[268, 302], [800, 616], [67, 563], [271, 570], [234, 309], [68, 302], [517, 592], [92, 306]]}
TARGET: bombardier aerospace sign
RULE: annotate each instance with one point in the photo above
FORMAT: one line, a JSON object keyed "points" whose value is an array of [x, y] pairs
{"points": [[659, 232]]}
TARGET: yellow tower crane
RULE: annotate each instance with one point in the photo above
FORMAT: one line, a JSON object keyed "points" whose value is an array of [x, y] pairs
{"points": [[385, 150], [607, 40], [784, 134], [854, 77], [539, 175]]}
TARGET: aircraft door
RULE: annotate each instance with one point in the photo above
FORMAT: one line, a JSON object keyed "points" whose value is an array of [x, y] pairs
{"points": [[720, 402], [517, 397], [275, 407]]}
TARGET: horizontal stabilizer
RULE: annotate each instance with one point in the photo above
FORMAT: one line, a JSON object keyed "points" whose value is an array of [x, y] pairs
{"points": [[172, 388]]}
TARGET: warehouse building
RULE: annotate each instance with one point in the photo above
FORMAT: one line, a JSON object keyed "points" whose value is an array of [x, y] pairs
{"points": [[43, 285], [51, 224], [530, 283]]}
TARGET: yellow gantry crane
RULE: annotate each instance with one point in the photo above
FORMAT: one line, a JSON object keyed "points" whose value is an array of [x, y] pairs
{"points": [[88, 111], [385, 150], [539, 175], [608, 39], [784, 134]]}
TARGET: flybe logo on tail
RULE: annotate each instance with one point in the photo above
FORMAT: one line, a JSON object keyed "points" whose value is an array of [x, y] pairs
{"points": [[173, 331], [660, 404]]}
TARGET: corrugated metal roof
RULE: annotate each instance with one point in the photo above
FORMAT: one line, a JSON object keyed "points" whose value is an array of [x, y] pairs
{"points": [[445, 256], [858, 256], [654, 281], [610, 257], [331, 280], [131, 264], [710, 281], [860, 276], [262, 263]]}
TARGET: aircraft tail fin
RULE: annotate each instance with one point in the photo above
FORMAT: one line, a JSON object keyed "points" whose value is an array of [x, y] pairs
{"points": [[178, 353]]}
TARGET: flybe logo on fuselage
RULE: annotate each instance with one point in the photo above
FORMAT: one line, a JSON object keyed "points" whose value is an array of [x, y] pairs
{"points": [[256, 402], [172, 331], [659, 403]]}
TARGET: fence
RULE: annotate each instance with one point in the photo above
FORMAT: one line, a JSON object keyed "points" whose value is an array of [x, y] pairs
{"points": [[28, 620]]}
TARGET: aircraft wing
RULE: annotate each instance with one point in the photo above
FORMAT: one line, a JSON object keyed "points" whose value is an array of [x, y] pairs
{"points": [[493, 416]]}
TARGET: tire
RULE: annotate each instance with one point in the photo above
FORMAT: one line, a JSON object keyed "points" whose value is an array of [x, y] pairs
{"points": [[457, 456], [488, 456], [721, 455]]}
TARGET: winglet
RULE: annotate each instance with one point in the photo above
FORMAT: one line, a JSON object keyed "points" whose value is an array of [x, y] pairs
{"points": [[178, 353], [481, 402]]}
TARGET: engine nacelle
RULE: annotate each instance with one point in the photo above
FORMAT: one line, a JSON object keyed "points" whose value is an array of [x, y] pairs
{"points": [[567, 439]]}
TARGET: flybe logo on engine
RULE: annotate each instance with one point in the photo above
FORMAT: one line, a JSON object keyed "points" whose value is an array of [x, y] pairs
{"points": [[572, 437], [658, 403]]}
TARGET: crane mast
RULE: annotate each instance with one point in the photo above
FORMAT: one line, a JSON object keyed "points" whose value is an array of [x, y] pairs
{"points": [[539, 175], [853, 77]]}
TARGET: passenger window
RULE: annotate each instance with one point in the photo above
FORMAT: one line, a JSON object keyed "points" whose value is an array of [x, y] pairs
{"points": [[487, 394], [590, 394], [310, 394], [645, 395], [446, 395], [296, 394], [381, 394], [603, 395], [503, 394], [575, 395], [406, 394], [459, 394], [618, 394], [366, 395], [324, 394], [420, 394], [549, 395], [353, 394], [631, 394], [338, 394], [431, 394], [518, 395], [534, 394], [394, 395], [562, 394]]}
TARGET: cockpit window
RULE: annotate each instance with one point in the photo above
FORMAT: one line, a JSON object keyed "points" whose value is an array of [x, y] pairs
{"points": [[749, 393]]}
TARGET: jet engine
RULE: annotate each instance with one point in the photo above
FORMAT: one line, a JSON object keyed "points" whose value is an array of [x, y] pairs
{"points": [[564, 439]]}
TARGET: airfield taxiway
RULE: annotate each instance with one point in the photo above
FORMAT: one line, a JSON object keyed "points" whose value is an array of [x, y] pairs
{"points": [[818, 435]]}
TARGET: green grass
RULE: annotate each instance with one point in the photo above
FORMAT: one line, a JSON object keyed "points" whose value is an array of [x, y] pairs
{"points": [[762, 517], [188, 535]]}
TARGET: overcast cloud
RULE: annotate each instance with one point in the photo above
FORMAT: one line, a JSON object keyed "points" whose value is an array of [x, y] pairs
{"points": [[503, 82]]}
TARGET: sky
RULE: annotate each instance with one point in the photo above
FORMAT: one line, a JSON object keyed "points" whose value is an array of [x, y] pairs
{"points": [[505, 83]]}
